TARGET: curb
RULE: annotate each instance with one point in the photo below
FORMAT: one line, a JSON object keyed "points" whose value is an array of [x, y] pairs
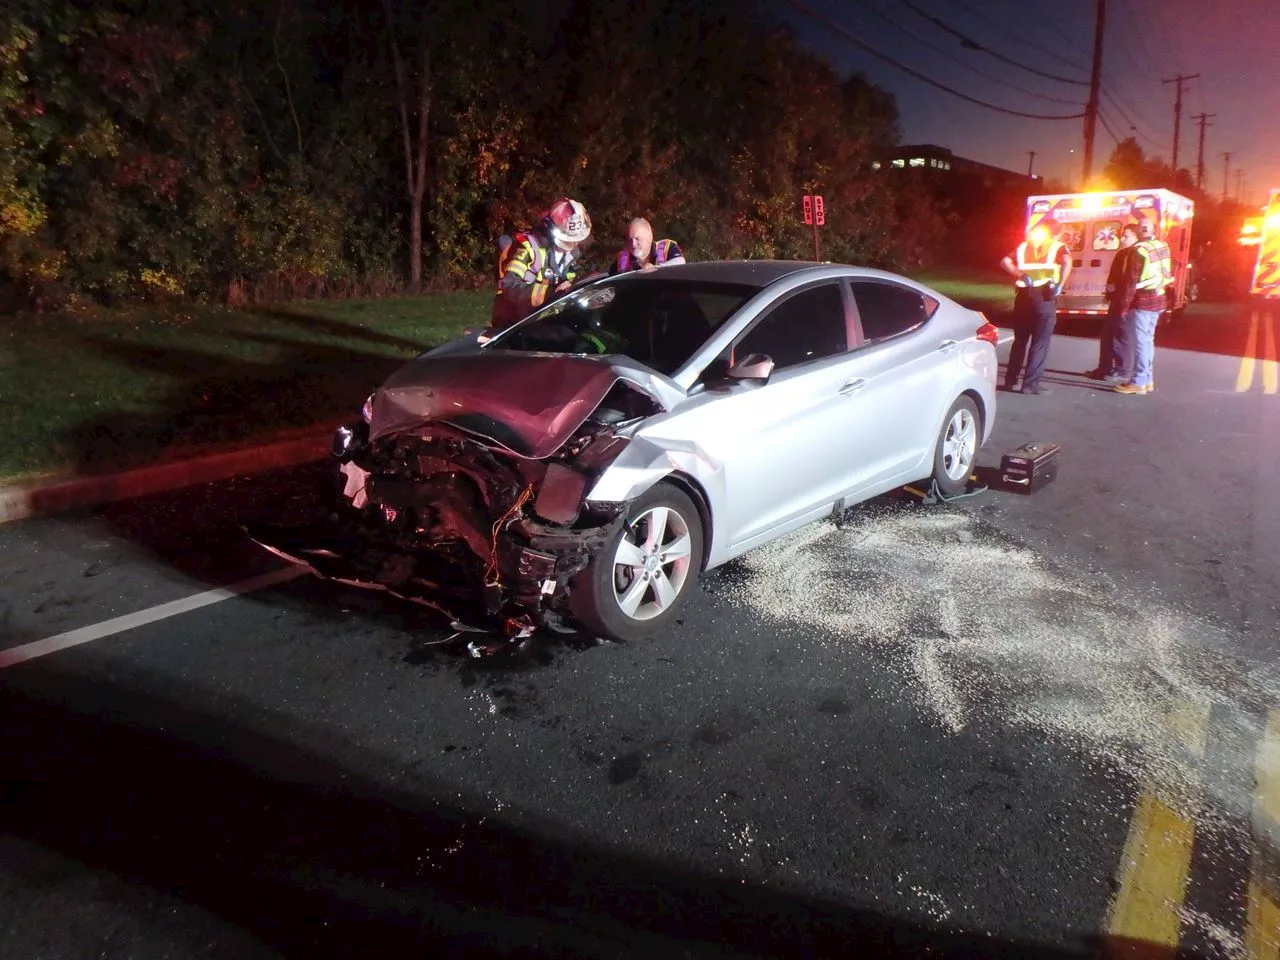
{"points": [[43, 498]]}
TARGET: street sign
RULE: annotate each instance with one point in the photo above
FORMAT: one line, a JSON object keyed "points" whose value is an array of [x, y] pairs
{"points": [[815, 215]]}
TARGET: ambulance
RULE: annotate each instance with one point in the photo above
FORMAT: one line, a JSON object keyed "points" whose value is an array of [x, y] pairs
{"points": [[1090, 224], [1266, 272]]}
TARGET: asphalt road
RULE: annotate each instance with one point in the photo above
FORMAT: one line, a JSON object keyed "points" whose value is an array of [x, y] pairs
{"points": [[1015, 725]]}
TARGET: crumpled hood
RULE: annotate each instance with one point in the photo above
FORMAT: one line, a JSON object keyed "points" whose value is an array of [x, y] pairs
{"points": [[530, 403]]}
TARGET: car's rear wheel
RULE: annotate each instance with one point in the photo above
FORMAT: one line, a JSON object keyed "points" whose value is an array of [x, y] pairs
{"points": [[957, 447], [634, 587]]}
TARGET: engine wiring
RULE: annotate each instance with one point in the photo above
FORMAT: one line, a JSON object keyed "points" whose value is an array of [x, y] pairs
{"points": [[491, 578]]}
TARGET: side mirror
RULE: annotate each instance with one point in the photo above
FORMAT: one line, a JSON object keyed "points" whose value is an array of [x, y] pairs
{"points": [[754, 366]]}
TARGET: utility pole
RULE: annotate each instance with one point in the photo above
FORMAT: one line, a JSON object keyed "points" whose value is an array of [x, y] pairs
{"points": [[1239, 181], [1031, 164], [1203, 120], [1095, 78], [1177, 114], [1226, 172]]}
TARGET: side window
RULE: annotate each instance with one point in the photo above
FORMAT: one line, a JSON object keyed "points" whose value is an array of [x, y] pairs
{"points": [[807, 326], [887, 309]]}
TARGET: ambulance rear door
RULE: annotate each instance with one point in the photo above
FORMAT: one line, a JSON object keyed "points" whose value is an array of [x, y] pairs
{"points": [[1093, 244]]}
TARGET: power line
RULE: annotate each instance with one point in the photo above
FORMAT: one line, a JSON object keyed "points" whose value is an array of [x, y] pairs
{"points": [[1120, 101], [1022, 40], [1018, 8], [1129, 104], [1107, 127], [805, 9], [971, 44], [982, 73], [1132, 126], [1095, 83], [1122, 105], [1203, 119], [1177, 113], [1147, 56], [1170, 47]]}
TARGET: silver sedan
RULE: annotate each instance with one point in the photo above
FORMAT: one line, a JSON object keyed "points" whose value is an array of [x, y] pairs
{"points": [[580, 469]]}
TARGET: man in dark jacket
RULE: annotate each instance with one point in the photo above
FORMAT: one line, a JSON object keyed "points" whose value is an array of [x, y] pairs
{"points": [[1115, 342]]}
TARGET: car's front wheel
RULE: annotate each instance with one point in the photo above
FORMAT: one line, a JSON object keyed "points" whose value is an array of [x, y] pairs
{"points": [[957, 447], [636, 584]]}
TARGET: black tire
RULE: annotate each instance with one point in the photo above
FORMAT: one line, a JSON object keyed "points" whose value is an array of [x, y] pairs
{"points": [[600, 593], [957, 445]]}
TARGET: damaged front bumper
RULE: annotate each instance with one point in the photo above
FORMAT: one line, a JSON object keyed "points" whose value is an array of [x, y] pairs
{"points": [[437, 517]]}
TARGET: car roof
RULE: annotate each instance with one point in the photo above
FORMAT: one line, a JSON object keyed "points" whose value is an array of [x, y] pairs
{"points": [[763, 273], [759, 273]]}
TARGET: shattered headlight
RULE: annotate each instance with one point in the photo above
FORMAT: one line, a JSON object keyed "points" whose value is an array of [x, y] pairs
{"points": [[367, 410], [349, 439]]}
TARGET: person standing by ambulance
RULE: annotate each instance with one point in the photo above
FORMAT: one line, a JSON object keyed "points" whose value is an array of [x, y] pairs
{"points": [[1152, 265], [1115, 341], [1040, 266]]}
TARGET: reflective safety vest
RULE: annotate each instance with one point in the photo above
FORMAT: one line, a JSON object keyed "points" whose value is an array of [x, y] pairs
{"points": [[526, 274], [1044, 271], [1157, 269], [662, 251]]}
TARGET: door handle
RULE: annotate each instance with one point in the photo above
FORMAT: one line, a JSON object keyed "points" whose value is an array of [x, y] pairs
{"points": [[852, 387], [946, 344]]}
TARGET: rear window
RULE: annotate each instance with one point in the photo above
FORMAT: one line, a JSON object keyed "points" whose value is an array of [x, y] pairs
{"points": [[658, 322]]}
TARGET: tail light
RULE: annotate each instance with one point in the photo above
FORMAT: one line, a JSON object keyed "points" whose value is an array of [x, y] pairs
{"points": [[988, 331]]}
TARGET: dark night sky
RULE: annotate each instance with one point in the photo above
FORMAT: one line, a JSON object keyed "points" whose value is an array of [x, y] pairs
{"points": [[1233, 44]]}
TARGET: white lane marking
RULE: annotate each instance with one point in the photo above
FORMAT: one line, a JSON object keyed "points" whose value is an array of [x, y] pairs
{"points": [[73, 638]]}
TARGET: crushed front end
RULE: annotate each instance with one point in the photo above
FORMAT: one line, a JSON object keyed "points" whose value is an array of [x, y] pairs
{"points": [[448, 518]]}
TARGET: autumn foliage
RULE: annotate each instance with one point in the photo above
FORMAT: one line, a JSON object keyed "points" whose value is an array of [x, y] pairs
{"points": [[239, 150]]}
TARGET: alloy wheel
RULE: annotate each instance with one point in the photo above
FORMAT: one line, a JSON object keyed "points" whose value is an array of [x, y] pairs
{"points": [[960, 445], [652, 563]]}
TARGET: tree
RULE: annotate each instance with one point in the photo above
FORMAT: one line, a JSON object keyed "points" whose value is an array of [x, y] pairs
{"points": [[414, 88], [273, 148], [1129, 167]]}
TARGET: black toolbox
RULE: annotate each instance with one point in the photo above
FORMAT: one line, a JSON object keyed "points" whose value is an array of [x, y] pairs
{"points": [[1029, 467]]}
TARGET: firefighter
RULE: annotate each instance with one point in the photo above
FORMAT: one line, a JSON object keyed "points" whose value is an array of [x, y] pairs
{"points": [[1152, 265], [1040, 266], [643, 252], [538, 262]]}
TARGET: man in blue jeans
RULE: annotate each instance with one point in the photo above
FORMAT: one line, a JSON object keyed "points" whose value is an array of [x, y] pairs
{"points": [[1152, 272], [1041, 265], [1115, 340]]}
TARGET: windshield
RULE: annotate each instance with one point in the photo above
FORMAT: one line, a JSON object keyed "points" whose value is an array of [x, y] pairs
{"points": [[658, 322]]}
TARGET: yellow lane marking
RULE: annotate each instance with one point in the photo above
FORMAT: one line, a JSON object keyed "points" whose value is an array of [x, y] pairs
{"points": [[1156, 863], [1244, 379], [1269, 373], [1260, 939], [1262, 935]]}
